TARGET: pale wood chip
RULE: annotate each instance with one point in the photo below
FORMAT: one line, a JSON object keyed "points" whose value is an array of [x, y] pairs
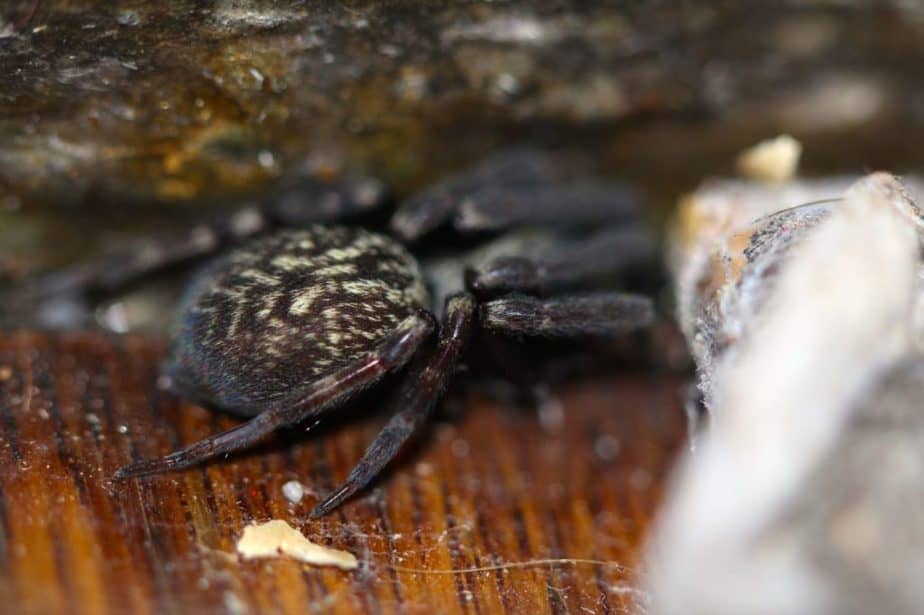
{"points": [[277, 537]]}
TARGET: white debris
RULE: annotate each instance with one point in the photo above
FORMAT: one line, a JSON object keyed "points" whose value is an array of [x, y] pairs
{"points": [[277, 537], [294, 491], [773, 161]]}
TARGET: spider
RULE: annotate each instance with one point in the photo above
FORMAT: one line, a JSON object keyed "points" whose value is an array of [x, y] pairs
{"points": [[286, 324]]}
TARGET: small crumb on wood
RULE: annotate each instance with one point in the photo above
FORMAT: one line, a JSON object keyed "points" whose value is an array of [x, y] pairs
{"points": [[277, 537], [772, 161], [294, 491]]}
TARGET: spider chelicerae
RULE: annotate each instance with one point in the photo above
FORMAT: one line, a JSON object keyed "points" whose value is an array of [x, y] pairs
{"points": [[298, 312]]}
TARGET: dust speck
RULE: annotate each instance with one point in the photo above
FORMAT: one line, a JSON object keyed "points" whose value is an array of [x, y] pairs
{"points": [[294, 491], [606, 447]]}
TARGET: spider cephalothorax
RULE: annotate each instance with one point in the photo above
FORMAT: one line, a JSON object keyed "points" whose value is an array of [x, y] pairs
{"points": [[288, 324]]}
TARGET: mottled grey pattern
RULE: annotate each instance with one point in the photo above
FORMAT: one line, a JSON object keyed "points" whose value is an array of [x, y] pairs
{"points": [[266, 319]]}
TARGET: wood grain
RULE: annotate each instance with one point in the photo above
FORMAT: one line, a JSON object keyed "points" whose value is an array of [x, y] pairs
{"points": [[491, 512]]}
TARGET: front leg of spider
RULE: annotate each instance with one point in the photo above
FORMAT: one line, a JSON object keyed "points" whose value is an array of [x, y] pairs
{"points": [[422, 387], [436, 205], [566, 264], [514, 188], [310, 402], [600, 313]]}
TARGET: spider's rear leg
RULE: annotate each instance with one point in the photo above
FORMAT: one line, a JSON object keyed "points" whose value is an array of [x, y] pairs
{"points": [[566, 264], [59, 297], [312, 401], [422, 387], [603, 313], [64, 298], [112, 272]]}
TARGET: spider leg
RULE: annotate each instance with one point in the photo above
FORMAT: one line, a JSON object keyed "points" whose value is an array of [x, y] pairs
{"points": [[419, 392], [607, 252], [300, 203], [112, 272], [571, 315], [313, 401], [500, 206], [437, 204]]}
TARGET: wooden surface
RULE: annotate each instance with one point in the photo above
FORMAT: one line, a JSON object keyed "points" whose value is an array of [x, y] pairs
{"points": [[491, 512]]}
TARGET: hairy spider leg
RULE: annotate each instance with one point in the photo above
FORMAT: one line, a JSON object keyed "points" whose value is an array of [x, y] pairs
{"points": [[434, 206], [498, 207], [424, 383], [314, 400], [299, 204], [112, 272], [603, 313], [517, 187], [610, 251], [421, 389]]}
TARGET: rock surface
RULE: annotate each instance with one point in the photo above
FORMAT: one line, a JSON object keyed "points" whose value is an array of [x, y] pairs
{"points": [[132, 102]]}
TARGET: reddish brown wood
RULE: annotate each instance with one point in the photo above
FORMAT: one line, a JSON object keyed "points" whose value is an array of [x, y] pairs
{"points": [[490, 513]]}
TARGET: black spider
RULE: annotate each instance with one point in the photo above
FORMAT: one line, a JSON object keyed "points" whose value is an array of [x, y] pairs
{"points": [[289, 324]]}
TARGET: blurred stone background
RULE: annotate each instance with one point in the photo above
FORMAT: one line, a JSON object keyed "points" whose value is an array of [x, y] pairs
{"points": [[118, 118]]}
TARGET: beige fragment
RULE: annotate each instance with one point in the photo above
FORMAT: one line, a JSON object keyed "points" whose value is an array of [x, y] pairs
{"points": [[773, 161], [277, 537]]}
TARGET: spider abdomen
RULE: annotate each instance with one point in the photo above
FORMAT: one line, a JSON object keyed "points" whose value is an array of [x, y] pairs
{"points": [[284, 309]]}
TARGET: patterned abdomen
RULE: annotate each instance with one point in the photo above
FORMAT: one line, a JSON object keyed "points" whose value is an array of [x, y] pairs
{"points": [[274, 314]]}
